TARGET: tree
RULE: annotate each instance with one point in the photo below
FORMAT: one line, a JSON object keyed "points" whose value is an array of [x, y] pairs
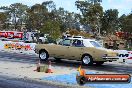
{"points": [[60, 13], [92, 13], [16, 14], [37, 14], [122, 22], [84, 5], [68, 20], [110, 21], [125, 23], [52, 28], [2, 21], [50, 5]]}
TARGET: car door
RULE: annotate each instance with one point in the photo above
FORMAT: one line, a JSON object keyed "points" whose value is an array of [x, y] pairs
{"points": [[61, 50], [68, 51], [75, 51]]}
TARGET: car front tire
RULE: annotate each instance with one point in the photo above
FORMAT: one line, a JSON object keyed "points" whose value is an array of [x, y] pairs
{"points": [[87, 59], [43, 55]]}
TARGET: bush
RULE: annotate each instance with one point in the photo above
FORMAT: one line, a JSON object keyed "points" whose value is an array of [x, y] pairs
{"points": [[50, 40], [130, 49]]}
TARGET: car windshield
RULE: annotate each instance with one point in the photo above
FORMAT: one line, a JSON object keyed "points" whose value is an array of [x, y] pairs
{"points": [[95, 44]]}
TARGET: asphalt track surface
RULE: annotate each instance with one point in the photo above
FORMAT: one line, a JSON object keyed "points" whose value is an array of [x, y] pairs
{"points": [[6, 82], [33, 59], [10, 82]]}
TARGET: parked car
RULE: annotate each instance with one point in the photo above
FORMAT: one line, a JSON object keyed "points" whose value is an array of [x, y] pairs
{"points": [[88, 51]]}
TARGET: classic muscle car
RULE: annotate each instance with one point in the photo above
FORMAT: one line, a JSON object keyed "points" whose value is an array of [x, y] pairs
{"points": [[86, 50]]}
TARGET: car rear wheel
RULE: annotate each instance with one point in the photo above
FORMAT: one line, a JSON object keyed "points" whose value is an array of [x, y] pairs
{"points": [[87, 60], [43, 55]]}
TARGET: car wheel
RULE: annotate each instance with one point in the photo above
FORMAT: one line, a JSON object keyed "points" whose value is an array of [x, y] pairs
{"points": [[99, 62], [87, 60], [43, 55]]}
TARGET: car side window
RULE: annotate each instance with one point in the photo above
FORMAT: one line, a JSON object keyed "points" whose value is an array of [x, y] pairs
{"points": [[66, 42], [77, 43], [60, 42]]}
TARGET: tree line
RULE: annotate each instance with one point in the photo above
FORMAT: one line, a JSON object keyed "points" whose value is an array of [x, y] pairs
{"points": [[46, 18]]}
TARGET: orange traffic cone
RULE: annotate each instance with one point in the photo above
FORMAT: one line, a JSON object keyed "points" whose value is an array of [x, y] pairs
{"points": [[49, 70], [38, 67], [81, 71]]}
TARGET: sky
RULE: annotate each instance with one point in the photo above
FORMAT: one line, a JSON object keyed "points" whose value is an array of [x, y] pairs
{"points": [[123, 6]]}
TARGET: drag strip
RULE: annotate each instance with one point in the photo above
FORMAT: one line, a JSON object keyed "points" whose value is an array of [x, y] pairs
{"points": [[28, 58], [7, 82], [18, 57]]}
